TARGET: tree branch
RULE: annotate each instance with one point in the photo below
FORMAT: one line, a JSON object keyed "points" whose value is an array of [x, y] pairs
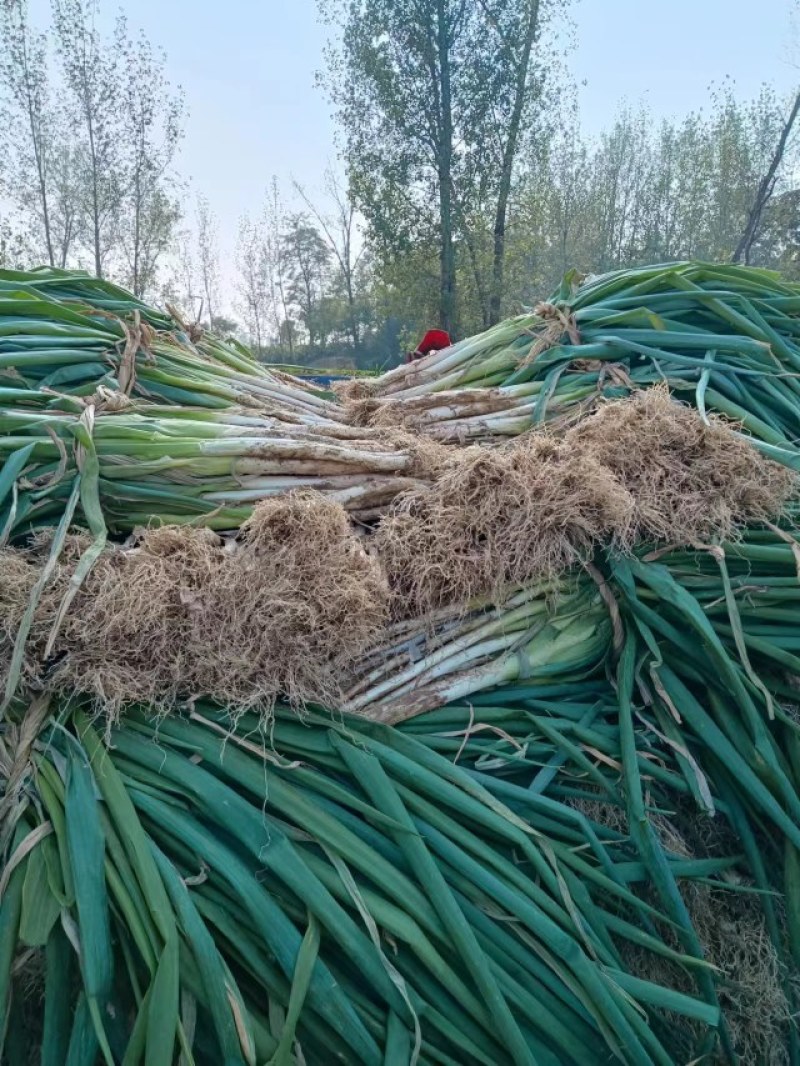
{"points": [[765, 189]]}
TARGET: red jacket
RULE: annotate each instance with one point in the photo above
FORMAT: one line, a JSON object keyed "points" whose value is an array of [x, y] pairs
{"points": [[433, 341]]}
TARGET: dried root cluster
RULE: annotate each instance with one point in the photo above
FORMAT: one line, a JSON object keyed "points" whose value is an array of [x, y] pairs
{"points": [[181, 613], [642, 469]]}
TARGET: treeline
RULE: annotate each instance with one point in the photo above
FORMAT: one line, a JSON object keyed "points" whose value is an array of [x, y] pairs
{"points": [[89, 128], [465, 189], [643, 192]]}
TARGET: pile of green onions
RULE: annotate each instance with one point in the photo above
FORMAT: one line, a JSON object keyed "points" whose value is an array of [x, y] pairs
{"points": [[66, 334], [176, 429], [479, 859], [725, 338], [693, 711], [182, 465]]}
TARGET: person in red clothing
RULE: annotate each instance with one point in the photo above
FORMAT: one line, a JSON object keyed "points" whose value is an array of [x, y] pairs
{"points": [[433, 341]]}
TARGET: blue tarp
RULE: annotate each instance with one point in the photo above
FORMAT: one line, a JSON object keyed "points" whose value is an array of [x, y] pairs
{"points": [[323, 380]]}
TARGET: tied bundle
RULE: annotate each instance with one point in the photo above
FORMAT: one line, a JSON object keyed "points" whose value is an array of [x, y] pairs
{"points": [[297, 603]]}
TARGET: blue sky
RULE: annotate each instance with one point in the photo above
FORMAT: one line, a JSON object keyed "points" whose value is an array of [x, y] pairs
{"points": [[668, 52], [248, 68]]}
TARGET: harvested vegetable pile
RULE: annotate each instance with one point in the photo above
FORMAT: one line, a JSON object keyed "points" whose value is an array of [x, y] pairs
{"points": [[453, 720], [724, 339]]}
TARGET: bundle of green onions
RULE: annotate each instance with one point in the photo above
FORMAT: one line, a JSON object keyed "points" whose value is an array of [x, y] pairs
{"points": [[725, 338], [685, 763], [66, 334], [712, 626], [180, 465], [700, 717], [104, 397], [541, 632]]}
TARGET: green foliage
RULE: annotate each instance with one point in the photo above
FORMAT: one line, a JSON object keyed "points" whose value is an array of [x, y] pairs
{"points": [[435, 99], [307, 258], [641, 192], [648, 193], [470, 210]]}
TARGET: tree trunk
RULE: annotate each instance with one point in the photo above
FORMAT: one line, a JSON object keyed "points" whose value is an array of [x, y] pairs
{"points": [[45, 210], [565, 236], [38, 152], [447, 287], [98, 263], [307, 285], [207, 290], [39, 148], [765, 190], [477, 273], [286, 322], [346, 263], [137, 212], [351, 308], [257, 324], [507, 168], [65, 242]]}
